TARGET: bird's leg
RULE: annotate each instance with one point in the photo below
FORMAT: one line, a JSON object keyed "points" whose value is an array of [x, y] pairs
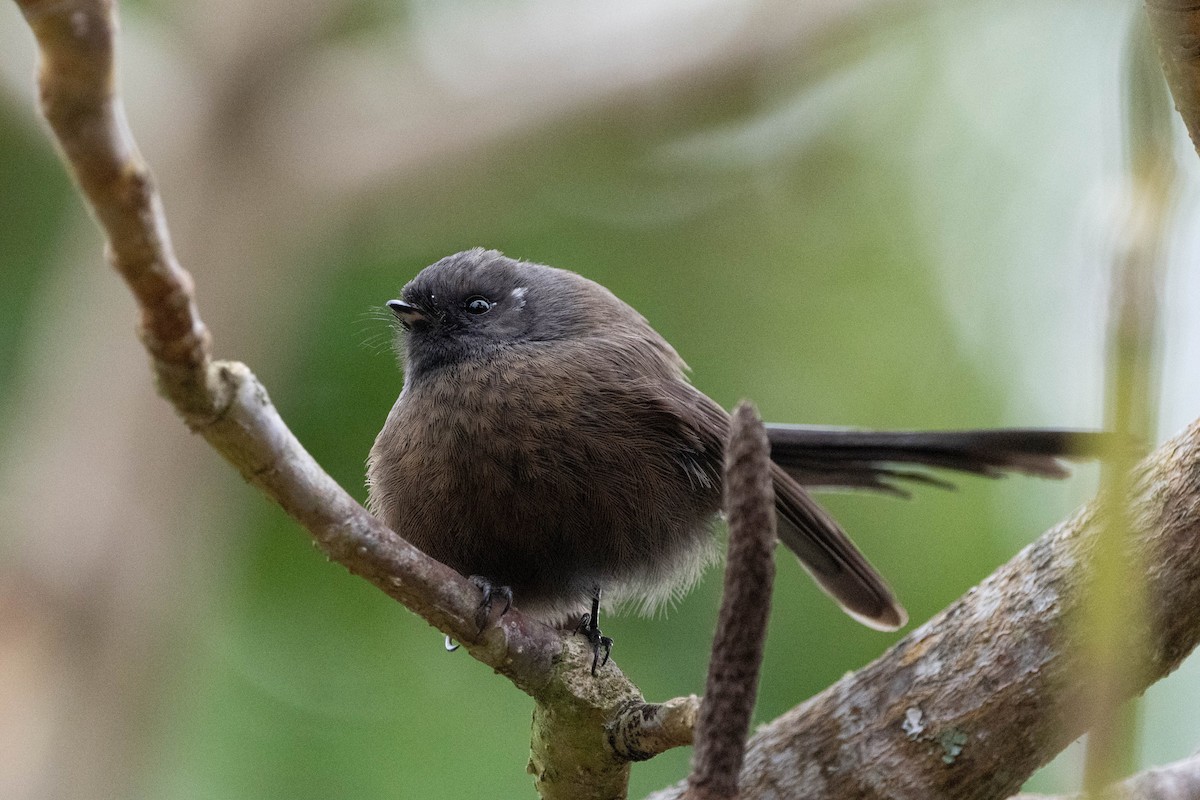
{"points": [[589, 626], [490, 592]]}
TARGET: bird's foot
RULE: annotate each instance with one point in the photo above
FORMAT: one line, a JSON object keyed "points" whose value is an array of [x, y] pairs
{"points": [[491, 592], [589, 626], [598, 641]]}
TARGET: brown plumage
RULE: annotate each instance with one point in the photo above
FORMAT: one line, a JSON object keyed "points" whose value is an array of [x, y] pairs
{"points": [[547, 439]]}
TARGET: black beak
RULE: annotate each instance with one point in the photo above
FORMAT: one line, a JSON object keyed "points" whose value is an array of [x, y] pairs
{"points": [[407, 313]]}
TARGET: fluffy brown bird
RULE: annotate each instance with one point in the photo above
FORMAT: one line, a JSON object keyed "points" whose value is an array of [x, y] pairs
{"points": [[548, 443]]}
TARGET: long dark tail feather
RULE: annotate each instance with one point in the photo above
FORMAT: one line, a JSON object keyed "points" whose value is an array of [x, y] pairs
{"points": [[832, 559], [860, 459]]}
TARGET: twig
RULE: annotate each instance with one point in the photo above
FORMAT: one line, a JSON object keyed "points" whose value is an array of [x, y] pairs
{"points": [[641, 731], [967, 706], [745, 606], [1113, 617], [719, 725]]}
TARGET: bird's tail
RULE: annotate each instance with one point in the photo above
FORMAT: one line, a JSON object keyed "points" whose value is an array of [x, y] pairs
{"points": [[884, 460]]}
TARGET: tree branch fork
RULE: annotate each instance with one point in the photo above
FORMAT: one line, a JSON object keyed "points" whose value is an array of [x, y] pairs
{"points": [[966, 706]]}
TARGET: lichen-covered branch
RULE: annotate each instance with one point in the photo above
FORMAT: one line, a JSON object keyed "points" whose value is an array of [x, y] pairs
{"points": [[967, 706], [1176, 28]]}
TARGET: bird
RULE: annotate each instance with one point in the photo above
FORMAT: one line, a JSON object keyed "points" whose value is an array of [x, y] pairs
{"points": [[548, 444]]}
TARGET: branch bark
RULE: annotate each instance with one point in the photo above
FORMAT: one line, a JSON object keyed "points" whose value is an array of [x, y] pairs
{"points": [[737, 651], [968, 705], [1175, 25], [1179, 780], [641, 731]]}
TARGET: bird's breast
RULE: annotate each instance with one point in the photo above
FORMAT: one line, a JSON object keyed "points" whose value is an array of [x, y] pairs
{"points": [[519, 472]]}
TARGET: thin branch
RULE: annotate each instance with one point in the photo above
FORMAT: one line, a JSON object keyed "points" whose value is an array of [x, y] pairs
{"points": [[1112, 619], [1179, 780], [733, 670], [643, 730], [1175, 25], [971, 703], [223, 401]]}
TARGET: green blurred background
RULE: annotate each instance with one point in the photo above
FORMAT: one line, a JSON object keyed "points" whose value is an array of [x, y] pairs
{"points": [[863, 212]]}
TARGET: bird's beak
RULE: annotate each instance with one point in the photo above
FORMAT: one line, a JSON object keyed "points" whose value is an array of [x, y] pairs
{"points": [[407, 313]]}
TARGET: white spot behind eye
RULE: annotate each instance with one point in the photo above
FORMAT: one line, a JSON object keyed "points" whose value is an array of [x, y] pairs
{"points": [[80, 24], [518, 294]]}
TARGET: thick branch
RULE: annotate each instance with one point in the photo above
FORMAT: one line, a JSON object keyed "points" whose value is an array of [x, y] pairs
{"points": [[971, 703], [1176, 28]]}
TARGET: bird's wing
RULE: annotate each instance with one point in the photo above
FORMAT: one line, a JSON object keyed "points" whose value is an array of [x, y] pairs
{"points": [[823, 548]]}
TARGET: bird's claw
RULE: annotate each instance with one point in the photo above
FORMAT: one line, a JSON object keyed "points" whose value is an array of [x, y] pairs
{"points": [[491, 592], [589, 628]]}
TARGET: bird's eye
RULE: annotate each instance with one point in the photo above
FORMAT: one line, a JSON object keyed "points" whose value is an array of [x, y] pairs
{"points": [[478, 305]]}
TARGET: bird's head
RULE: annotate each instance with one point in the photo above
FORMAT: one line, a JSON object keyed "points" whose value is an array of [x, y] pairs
{"points": [[477, 303]]}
